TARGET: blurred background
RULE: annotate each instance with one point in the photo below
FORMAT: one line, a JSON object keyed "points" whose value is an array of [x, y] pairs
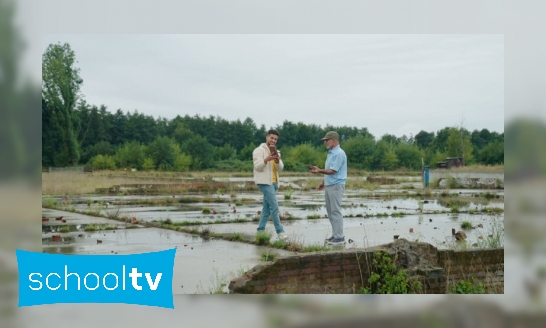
{"points": [[22, 23]]}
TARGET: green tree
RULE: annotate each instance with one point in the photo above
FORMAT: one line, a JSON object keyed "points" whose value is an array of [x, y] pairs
{"points": [[61, 84], [246, 153], [182, 162], [130, 155], [409, 156], [163, 151], [148, 164], [100, 148], [492, 153], [201, 152], [459, 145], [225, 152], [390, 160], [423, 139], [103, 162], [297, 158], [359, 150]]}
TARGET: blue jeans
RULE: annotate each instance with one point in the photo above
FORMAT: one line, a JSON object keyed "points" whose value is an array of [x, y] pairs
{"points": [[271, 207]]}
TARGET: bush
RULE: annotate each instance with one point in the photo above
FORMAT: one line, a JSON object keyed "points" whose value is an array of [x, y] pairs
{"points": [[103, 162], [466, 287], [182, 163], [387, 279], [148, 164]]}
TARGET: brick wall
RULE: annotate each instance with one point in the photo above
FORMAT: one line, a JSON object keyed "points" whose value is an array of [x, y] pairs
{"points": [[344, 271]]}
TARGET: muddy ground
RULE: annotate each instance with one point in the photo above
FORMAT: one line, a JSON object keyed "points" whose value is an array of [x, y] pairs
{"points": [[204, 264]]}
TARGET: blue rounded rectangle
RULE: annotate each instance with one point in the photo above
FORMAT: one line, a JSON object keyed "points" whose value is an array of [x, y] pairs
{"points": [[143, 279]]}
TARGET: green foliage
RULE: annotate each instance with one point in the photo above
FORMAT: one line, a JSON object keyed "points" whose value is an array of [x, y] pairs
{"points": [[201, 152], [299, 157], [225, 152], [163, 151], [409, 156], [316, 248], [288, 195], [61, 84], [359, 150], [278, 244], [105, 162], [263, 237], [390, 160], [182, 163], [385, 278], [64, 229], [467, 287], [466, 225], [423, 139], [435, 158], [237, 237], [130, 155], [91, 227], [49, 203], [268, 256], [246, 153], [459, 145], [234, 165], [148, 164]]}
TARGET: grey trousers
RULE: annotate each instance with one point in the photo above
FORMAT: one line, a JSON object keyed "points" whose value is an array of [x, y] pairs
{"points": [[333, 195]]}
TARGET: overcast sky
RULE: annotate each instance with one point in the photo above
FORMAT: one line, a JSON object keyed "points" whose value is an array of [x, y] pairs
{"points": [[397, 84]]}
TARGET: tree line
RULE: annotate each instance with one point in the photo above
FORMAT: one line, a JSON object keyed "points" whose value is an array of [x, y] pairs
{"points": [[75, 132]]}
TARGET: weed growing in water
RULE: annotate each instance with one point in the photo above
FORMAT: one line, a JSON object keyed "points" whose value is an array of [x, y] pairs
{"points": [[495, 236], [288, 195], [466, 225]]}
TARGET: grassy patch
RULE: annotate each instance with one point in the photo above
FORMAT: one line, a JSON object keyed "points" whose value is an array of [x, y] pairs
{"points": [[467, 287], [278, 244], [91, 227], [64, 229], [268, 256], [315, 248], [237, 237], [263, 237], [466, 225]]}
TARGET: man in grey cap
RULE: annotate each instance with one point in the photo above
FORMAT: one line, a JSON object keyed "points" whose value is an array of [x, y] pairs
{"points": [[335, 175]]}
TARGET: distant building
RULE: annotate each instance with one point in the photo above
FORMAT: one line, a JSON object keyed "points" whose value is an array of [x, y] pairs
{"points": [[450, 162]]}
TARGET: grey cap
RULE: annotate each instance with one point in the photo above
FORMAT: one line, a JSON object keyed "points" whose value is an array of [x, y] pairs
{"points": [[331, 135]]}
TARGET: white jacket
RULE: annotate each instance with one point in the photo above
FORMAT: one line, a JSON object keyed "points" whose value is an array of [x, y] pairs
{"points": [[263, 173]]}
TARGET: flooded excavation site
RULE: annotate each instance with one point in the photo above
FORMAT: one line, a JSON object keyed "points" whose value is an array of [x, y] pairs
{"points": [[212, 222]]}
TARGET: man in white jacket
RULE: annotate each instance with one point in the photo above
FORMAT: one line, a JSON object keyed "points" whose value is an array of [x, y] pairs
{"points": [[266, 176]]}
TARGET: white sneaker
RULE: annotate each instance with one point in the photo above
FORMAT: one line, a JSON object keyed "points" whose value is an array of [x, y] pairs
{"points": [[282, 236]]}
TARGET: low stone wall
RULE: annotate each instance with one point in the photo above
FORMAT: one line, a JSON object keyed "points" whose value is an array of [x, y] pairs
{"points": [[468, 179], [344, 271]]}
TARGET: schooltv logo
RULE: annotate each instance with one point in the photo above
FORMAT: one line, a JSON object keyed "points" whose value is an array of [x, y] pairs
{"points": [[143, 279]]}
